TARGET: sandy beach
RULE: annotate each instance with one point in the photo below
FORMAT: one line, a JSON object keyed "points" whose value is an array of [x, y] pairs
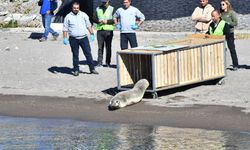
{"points": [[31, 68]]}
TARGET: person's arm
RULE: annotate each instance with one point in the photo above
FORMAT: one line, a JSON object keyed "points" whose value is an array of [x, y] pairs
{"points": [[65, 27], [65, 31], [207, 17], [90, 29], [95, 18], [226, 30], [234, 21], [116, 17], [141, 17], [196, 15]]}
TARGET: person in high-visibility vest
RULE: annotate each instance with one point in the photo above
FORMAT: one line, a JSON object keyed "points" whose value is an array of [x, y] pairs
{"points": [[103, 17], [220, 27]]}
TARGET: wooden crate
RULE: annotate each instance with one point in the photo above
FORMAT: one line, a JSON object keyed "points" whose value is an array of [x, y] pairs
{"points": [[185, 61]]}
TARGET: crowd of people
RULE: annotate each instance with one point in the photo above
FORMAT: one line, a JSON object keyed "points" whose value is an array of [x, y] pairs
{"points": [[127, 19]]}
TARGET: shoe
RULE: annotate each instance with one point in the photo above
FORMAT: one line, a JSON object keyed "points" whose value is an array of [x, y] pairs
{"points": [[235, 68], [43, 39], [55, 36], [94, 72], [99, 65], [108, 65], [75, 73]]}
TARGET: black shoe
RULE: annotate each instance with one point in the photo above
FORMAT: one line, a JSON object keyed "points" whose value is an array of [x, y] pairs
{"points": [[235, 68], [55, 36], [108, 65], [43, 39], [75, 73], [94, 72]]}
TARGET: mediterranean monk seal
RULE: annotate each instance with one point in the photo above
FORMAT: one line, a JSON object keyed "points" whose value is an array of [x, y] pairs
{"points": [[129, 97]]}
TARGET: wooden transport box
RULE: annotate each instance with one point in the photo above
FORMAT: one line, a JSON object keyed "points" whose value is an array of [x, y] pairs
{"points": [[176, 63]]}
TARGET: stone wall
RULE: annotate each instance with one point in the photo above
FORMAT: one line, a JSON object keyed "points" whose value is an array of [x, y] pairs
{"points": [[174, 15]]}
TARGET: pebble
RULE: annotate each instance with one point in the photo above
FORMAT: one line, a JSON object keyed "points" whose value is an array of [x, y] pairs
{"points": [[7, 49]]}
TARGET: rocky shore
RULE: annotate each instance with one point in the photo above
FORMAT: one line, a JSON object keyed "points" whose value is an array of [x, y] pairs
{"points": [[25, 13]]}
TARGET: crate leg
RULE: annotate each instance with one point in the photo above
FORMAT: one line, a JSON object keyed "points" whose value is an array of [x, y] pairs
{"points": [[154, 95]]}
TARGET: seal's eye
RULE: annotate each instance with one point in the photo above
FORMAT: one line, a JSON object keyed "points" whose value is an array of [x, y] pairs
{"points": [[117, 102]]}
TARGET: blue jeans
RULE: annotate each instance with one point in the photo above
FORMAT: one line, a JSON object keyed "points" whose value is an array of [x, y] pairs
{"points": [[46, 24], [84, 44]]}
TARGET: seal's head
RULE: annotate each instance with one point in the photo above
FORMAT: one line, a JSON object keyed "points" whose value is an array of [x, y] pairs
{"points": [[118, 101], [114, 104]]}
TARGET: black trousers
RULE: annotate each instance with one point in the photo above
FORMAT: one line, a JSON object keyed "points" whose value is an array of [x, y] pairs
{"points": [[104, 37], [128, 37], [84, 44], [231, 47]]}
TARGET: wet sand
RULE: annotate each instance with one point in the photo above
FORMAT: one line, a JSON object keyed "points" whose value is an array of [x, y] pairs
{"points": [[93, 110]]}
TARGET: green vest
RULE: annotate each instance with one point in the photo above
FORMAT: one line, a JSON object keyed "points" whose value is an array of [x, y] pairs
{"points": [[219, 29], [105, 16]]}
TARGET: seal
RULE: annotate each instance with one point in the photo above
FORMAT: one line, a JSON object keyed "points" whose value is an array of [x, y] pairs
{"points": [[129, 97]]}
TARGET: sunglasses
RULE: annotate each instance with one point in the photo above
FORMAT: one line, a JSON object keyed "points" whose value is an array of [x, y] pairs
{"points": [[223, 4]]}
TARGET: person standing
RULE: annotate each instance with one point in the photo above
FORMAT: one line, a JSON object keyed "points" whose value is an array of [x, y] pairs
{"points": [[103, 17], [47, 8], [76, 24], [229, 16], [202, 16], [127, 20], [221, 27]]}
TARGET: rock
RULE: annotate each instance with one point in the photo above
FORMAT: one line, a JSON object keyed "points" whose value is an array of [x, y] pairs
{"points": [[26, 19], [4, 13], [17, 16], [7, 49], [8, 19]]}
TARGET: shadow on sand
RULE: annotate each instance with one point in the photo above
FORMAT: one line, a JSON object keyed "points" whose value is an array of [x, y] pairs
{"points": [[35, 36], [84, 62], [148, 95]]}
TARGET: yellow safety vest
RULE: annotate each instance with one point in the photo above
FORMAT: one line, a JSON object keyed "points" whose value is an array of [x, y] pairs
{"points": [[105, 16], [219, 29]]}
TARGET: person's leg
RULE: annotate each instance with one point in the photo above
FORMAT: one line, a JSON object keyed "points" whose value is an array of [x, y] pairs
{"points": [[132, 40], [50, 30], [84, 43], [123, 41], [47, 22], [231, 46], [74, 44], [43, 21], [108, 41], [100, 41]]}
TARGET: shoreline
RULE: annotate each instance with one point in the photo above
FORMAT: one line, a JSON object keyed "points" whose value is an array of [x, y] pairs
{"points": [[209, 117]]}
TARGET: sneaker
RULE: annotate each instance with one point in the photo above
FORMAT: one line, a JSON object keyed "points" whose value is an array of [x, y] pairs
{"points": [[55, 36], [43, 39], [75, 73], [93, 72]]}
